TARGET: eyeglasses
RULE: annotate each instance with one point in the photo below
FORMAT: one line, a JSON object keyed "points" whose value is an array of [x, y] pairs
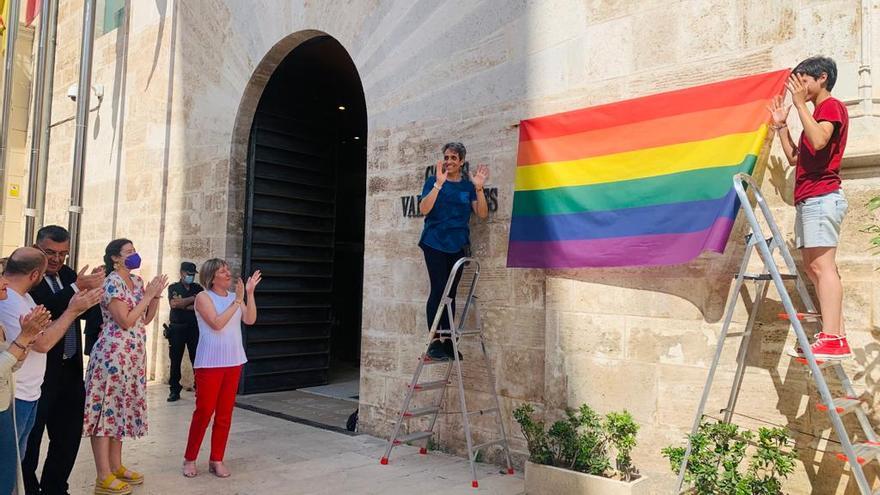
{"points": [[59, 255]]}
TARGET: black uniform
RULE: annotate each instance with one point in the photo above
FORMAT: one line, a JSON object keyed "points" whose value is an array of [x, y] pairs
{"points": [[183, 331]]}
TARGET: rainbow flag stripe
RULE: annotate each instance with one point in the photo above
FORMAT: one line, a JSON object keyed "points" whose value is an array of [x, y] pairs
{"points": [[639, 182]]}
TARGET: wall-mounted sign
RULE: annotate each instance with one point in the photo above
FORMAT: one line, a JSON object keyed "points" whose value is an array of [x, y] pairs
{"points": [[14, 190], [410, 204]]}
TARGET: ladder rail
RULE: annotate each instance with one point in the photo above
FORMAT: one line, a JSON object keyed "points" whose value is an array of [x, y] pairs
{"points": [[803, 341]]}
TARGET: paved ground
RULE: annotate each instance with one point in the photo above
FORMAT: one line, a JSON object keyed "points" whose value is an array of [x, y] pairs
{"points": [[268, 455]]}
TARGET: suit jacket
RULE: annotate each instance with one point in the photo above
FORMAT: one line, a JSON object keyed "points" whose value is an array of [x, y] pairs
{"points": [[57, 303]]}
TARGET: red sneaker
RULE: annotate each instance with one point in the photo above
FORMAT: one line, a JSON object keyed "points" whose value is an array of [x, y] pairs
{"points": [[829, 347]]}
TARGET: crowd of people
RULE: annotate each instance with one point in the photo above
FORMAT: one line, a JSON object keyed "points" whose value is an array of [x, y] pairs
{"points": [[42, 385]]}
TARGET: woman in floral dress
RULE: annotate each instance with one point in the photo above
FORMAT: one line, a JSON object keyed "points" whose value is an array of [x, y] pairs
{"points": [[116, 403]]}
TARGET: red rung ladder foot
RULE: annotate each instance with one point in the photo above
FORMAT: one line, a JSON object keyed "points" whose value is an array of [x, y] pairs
{"points": [[509, 470], [800, 316], [804, 361], [423, 450], [475, 484], [384, 461], [842, 457]]}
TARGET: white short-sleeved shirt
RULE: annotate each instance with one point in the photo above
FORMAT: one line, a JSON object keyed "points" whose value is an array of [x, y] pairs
{"points": [[29, 377], [220, 348]]}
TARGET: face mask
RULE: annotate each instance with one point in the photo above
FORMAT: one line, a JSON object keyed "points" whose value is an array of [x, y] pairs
{"points": [[188, 279], [133, 262]]}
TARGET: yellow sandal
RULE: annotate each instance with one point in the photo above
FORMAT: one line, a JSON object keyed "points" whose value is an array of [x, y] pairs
{"points": [[111, 486], [129, 476]]}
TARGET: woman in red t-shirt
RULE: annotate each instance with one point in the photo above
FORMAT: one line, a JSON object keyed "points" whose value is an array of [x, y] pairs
{"points": [[821, 205]]}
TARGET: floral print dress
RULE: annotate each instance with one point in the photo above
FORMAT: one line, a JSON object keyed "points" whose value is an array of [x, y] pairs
{"points": [[116, 381]]}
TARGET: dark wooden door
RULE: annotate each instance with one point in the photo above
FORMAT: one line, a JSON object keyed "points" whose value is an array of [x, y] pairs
{"points": [[289, 235]]}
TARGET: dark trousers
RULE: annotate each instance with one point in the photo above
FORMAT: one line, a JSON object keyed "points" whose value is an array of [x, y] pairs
{"points": [[60, 413], [440, 265], [180, 336]]}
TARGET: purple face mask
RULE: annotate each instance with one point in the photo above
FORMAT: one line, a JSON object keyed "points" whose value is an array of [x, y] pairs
{"points": [[133, 262]]}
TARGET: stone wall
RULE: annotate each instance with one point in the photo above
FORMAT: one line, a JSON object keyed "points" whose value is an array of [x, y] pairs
{"points": [[165, 169]]}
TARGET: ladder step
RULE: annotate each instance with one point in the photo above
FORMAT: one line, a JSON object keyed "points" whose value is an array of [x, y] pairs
{"points": [[865, 452], [822, 363], [484, 411], [428, 361], [842, 405], [419, 387], [487, 444], [466, 331], [766, 276], [421, 411], [412, 437], [801, 316]]}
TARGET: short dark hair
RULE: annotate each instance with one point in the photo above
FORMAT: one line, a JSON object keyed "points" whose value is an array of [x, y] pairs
{"points": [[458, 148], [23, 261], [54, 233], [816, 66]]}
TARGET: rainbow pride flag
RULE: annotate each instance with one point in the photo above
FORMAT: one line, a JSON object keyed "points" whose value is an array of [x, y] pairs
{"points": [[646, 181]]}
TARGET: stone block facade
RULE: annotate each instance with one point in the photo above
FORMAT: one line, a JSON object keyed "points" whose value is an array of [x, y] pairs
{"points": [[166, 168]]}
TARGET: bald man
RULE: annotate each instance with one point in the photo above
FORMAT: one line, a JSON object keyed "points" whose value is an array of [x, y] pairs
{"points": [[24, 270]]}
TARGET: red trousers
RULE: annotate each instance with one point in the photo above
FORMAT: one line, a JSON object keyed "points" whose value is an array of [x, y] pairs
{"points": [[215, 396]]}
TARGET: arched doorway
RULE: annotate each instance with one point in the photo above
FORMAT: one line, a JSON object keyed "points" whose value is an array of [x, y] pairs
{"points": [[304, 220]]}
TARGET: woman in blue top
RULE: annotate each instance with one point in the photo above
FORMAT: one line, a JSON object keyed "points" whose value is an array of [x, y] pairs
{"points": [[448, 199]]}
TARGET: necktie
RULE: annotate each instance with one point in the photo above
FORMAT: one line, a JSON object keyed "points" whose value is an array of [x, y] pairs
{"points": [[70, 336]]}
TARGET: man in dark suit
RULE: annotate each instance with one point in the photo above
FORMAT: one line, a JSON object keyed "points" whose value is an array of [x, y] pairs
{"points": [[60, 410]]}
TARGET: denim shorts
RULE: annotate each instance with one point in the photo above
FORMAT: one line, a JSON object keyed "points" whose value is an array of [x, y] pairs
{"points": [[818, 219]]}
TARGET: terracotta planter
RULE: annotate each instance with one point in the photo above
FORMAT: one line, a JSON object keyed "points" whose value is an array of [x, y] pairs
{"points": [[549, 480]]}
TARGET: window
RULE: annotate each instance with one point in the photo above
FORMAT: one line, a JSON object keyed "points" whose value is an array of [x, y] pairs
{"points": [[110, 15]]}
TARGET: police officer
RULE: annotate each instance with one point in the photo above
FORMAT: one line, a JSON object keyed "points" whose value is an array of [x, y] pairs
{"points": [[183, 331]]}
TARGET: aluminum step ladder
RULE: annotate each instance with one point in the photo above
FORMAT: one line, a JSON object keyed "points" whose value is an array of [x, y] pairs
{"points": [[856, 454], [436, 390]]}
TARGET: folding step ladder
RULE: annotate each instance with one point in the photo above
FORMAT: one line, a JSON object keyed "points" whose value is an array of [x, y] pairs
{"points": [[857, 454], [456, 332]]}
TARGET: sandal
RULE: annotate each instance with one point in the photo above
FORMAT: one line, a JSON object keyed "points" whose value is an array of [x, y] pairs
{"points": [[111, 486], [218, 469], [189, 469], [129, 476]]}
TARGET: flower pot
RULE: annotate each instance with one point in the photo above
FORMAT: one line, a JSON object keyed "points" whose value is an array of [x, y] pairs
{"points": [[549, 480]]}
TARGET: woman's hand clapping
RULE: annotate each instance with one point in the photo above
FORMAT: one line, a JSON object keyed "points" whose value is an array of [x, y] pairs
{"points": [[479, 178], [156, 286]]}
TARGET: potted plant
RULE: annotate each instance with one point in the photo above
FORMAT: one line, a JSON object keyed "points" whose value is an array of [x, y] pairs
{"points": [[574, 455], [722, 461]]}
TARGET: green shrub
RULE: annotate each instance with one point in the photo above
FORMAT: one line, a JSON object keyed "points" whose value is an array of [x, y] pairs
{"points": [[718, 451], [581, 441]]}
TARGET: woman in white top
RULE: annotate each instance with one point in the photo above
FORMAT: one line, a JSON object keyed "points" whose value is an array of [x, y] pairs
{"points": [[219, 358]]}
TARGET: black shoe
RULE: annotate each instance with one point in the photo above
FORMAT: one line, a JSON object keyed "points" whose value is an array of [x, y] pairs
{"points": [[436, 352], [173, 397], [449, 351]]}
